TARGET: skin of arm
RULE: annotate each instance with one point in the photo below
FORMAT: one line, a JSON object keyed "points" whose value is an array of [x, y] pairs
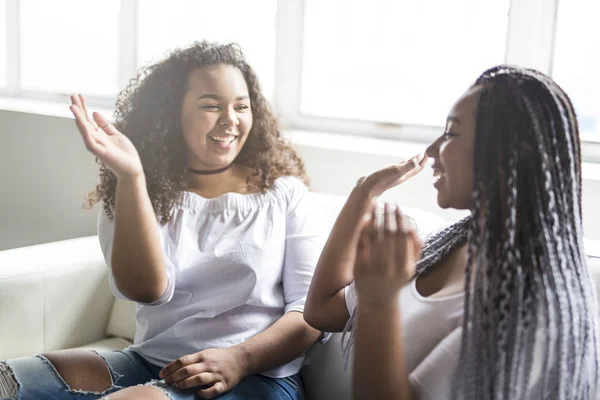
{"points": [[325, 305], [379, 342], [137, 260], [279, 344]]}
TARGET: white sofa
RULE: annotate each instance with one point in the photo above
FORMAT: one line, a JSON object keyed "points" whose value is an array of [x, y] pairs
{"points": [[56, 296]]}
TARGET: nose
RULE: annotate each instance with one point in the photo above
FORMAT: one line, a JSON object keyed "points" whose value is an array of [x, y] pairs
{"points": [[433, 149], [229, 117]]}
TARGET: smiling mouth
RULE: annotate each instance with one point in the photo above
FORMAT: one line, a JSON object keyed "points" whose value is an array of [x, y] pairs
{"points": [[437, 176], [227, 139]]}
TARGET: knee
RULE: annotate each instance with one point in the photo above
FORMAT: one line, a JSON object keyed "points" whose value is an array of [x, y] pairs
{"points": [[138, 393], [81, 370]]}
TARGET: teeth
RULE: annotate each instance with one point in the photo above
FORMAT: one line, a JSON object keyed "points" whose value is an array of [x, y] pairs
{"points": [[223, 139]]}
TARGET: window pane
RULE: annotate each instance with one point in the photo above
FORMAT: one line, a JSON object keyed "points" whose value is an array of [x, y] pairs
{"points": [[397, 61], [577, 61], [70, 45], [2, 43], [164, 26]]}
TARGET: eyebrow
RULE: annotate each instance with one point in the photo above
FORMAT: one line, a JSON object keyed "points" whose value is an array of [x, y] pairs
{"points": [[217, 97]]}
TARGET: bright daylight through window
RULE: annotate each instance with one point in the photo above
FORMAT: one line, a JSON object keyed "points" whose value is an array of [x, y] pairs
{"points": [[163, 26], [397, 61], [577, 61], [69, 46]]}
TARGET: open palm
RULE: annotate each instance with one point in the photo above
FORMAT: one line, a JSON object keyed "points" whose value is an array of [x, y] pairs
{"points": [[103, 140], [389, 177]]}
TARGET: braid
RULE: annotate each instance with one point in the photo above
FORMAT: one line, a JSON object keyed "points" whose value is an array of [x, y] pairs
{"points": [[530, 269]]}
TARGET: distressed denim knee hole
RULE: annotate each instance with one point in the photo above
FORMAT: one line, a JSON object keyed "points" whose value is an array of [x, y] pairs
{"points": [[9, 384]]}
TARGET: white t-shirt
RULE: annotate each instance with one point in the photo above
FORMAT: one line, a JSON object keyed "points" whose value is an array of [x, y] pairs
{"points": [[235, 265], [430, 327], [432, 334]]}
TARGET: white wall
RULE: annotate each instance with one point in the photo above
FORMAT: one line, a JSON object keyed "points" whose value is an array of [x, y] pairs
{"points": [[46, 173]]}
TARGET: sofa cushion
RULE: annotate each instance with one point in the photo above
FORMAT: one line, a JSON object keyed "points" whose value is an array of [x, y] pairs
{"points": [[109, 344], [122, 320], [53, 296]]}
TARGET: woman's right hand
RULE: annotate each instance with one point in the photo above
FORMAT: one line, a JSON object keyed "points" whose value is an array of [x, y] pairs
{"points": [[103, 140], [380, 181]]}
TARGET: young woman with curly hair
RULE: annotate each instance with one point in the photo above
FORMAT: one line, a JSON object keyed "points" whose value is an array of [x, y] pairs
{"points": [[205, 227], [499, 305]]}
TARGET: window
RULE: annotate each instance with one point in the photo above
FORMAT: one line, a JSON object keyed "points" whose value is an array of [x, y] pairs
{"points": [[402, 62], [577, 61], [2, 43], [69, 46], [164, 26], [383, 68]]}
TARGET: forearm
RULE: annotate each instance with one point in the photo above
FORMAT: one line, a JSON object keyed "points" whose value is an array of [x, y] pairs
{"points": [[282, 342], [325, 306], [379, 368], [137, 258]]}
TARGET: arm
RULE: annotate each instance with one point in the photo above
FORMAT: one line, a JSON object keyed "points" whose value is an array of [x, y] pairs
{"points": [[379, 342], [136, 258], [386, 260], [279, 344], [325, 306]]}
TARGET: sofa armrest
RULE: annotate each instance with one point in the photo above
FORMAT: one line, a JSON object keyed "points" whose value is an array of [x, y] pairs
{"points": [[53, 296]]}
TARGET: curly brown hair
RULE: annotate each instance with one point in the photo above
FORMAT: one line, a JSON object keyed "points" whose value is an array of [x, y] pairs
{"points": [[148, 113]]}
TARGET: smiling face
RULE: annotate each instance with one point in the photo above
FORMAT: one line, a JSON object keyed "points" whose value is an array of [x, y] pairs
{"points": [[216, 116], [452, 154]]}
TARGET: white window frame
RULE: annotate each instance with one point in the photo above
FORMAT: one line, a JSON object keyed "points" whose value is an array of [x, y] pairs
{"points": [[524, 33]]}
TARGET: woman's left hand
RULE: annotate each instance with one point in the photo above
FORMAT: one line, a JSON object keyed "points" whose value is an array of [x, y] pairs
{"points": [[216, 371], [386, 257]]}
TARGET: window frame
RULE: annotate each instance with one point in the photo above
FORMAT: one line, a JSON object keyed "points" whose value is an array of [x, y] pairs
{"points": [[524, 33]]}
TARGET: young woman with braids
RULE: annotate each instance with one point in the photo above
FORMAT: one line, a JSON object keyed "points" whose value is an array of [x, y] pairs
{"points": [[499, 305], [205, 227]]}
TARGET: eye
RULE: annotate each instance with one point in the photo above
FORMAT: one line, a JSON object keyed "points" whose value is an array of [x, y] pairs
{"points": [[448, 135], [242, 107], [210, 107]]}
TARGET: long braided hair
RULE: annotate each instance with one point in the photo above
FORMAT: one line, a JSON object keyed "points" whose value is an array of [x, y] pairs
{"points": [[526, 272]]}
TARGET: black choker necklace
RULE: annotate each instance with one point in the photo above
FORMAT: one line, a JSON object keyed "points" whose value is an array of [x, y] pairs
{"points": [[215, 171]]}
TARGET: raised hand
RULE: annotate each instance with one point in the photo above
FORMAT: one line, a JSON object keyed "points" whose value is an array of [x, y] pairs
{"points": [[385, 179], [386, 257], [104, 141]]}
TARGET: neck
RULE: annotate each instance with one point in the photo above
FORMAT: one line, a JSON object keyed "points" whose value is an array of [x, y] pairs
{"points": [[216, 183], [208, 172]]}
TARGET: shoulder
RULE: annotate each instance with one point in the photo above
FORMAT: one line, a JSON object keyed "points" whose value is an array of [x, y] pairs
{"points": [[290, 188]]}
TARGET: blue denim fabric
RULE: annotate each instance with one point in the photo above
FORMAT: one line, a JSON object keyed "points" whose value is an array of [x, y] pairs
{"points": [[38, 379]]}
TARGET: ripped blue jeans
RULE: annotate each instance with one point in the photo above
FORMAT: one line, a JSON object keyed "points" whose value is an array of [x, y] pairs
{"points": [[35, 378]]}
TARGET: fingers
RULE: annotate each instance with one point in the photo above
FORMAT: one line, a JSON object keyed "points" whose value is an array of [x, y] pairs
{"points": [[201, 379], [180, 363], [389, 222], [79, 101], [86, 112], [92, 142], [103, 124], [188, 372], [213, 391]]}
